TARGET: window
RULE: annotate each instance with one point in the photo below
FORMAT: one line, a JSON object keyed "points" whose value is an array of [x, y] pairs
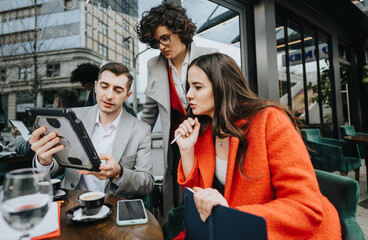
{"points": [[217, 26], [305, 82], [102, 49], [2, 75], [53, 70], [126, 62], [102, 28], [125, 24], [25, 73]]}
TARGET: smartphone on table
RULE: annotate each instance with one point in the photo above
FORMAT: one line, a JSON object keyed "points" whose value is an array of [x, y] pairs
{"points": [[131, 212]]}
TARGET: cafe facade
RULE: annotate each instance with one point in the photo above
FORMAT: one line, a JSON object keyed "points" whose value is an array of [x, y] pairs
{"points": [[309, 55]]}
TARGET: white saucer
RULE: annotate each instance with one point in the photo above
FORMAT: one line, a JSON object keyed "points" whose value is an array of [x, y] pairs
{"points": [[105, 211]]}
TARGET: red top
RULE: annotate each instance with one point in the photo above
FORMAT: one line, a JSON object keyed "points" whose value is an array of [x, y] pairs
{"points": [[177, 110]]}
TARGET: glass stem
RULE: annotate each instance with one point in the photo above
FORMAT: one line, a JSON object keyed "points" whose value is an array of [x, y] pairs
{"points": [[25, 236]]}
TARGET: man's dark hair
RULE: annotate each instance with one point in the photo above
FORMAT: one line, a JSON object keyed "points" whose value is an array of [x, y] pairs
{"points": [[68, 98], [85, 73], [117, 69], [171, 16]]}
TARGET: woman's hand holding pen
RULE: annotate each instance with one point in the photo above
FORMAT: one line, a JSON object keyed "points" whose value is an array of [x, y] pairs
{"points": [[189, 131]]}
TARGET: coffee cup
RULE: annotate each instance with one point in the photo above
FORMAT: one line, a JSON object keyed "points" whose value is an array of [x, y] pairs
{"points": [[91, 202], [55, 185]]}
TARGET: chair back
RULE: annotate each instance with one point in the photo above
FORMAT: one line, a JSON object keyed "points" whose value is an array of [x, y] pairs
{"points": [[311, 134], [347, 130], [343, 193], [175, 222]]}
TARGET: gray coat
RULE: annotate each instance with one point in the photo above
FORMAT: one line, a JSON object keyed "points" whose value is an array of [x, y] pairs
{"points": [[132, 149], [158, 102]]}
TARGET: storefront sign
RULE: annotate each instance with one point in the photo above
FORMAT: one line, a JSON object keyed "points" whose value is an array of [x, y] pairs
{"points": [[295, 57]]}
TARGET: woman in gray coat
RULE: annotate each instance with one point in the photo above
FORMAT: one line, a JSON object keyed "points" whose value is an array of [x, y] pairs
{"points": [[168, 28]]}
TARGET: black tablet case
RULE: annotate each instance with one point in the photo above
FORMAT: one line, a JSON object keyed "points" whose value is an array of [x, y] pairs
{"points": [[223, 223], [78, 151]]}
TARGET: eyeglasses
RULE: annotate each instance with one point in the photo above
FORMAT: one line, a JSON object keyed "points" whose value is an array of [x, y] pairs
{"points": [[164, 40]]}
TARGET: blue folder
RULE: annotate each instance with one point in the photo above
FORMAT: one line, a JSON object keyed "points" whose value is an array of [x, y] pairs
{"points": [[224, 223]]}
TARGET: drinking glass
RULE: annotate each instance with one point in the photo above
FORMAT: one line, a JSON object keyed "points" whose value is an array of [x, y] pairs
{"points": [[25, 200]]}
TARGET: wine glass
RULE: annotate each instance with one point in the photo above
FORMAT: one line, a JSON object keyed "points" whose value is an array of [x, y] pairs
{"points": [[26, 197], [4, 142]]}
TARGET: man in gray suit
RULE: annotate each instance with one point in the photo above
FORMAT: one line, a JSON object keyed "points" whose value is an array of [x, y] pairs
{"points": [[168, 28], [121, 140]]}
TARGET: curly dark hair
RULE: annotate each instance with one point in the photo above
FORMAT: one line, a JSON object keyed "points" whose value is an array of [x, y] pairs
{"points": [[171, 16], [85, 73]]}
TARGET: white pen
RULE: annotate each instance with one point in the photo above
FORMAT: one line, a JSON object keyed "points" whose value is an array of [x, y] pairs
{"points": [[176, 138]]}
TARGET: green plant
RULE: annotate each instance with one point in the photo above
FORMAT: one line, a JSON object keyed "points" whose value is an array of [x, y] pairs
{"points": [[325, 87], [326, 84]]}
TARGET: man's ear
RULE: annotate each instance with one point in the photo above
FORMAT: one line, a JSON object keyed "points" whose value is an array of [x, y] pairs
{"points": [[57, 103], [128, 95], [95, 86]]}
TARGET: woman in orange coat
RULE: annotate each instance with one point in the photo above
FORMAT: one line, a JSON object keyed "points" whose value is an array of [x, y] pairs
{"points": [[245, 152]]}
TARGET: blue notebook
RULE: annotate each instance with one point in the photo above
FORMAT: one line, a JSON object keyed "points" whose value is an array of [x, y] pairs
{"points": [[224, 223]]}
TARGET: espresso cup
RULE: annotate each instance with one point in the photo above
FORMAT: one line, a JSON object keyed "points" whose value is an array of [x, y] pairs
{"points": [[55, 185], [91, 202]]}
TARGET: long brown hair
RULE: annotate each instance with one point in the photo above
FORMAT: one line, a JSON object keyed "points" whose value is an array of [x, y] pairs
{"points": [[234, 100]]}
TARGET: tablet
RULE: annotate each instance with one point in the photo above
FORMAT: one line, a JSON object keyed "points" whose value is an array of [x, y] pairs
{"points": [[78, 151], [22, 128]]}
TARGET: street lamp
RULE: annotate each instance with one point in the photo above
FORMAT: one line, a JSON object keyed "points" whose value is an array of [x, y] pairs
{"points": [[135, 57], [135, 97]]}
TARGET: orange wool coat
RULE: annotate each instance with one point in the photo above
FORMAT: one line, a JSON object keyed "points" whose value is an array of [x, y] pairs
{"points": [[282, 186]]}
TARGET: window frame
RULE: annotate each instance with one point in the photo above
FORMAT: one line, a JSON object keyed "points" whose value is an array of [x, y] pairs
{"points": [[55, 70]]}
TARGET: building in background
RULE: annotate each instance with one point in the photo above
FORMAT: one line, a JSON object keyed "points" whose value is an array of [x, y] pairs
{"points": [[42, 41]]}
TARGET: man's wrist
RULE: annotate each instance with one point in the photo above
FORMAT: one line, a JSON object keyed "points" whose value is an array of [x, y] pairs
{"points": [[45, 163], [120, 174], [117, 178]]}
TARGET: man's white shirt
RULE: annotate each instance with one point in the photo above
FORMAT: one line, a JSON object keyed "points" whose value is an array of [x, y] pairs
{"points": [[180, 81]]}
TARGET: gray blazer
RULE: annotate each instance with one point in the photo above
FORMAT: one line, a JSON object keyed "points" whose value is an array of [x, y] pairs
{"points": [[23, 147], [158, 102], [132, 149]]}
